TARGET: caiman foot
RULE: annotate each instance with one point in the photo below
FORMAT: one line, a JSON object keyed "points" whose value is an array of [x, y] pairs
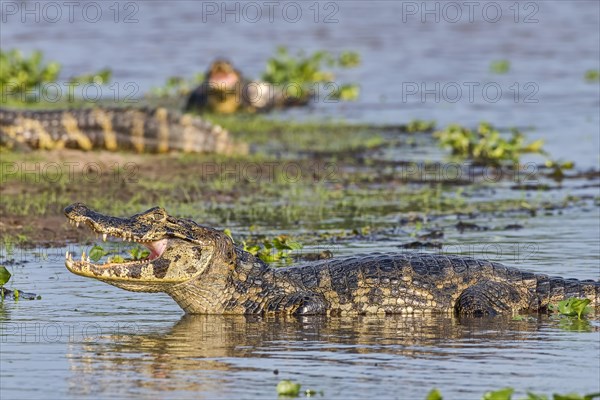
{"points": [[487, 298]]}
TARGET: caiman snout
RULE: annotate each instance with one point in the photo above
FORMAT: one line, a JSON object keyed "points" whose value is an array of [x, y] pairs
{"points": [[76, 208]]}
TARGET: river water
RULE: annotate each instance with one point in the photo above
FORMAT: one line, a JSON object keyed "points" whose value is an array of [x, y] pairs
{"points": [[86, 339]]}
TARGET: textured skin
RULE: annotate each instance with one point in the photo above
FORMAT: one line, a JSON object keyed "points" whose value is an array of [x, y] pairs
{"points": [[205, 273], [142, 130]]}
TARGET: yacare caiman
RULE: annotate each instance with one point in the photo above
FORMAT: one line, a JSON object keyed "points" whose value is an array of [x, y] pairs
{"points": [[206, 273]]}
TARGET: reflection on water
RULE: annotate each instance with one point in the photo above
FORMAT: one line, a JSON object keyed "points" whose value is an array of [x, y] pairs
{"points": [[234, 357]]}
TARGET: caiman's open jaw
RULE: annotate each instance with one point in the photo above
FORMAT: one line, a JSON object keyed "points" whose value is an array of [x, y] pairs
{"points": [[143, 270]]}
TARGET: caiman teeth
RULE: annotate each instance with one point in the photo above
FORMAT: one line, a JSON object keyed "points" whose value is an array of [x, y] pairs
{"points": [[104, 236]]}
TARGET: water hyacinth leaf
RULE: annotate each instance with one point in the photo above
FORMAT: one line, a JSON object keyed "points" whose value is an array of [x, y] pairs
{"points": [[4, 275], [434, 394], [573, 307], [288, 388], [96, 253]]}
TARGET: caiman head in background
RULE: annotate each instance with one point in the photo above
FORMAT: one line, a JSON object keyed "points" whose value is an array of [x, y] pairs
{"points": [[223, 84]]}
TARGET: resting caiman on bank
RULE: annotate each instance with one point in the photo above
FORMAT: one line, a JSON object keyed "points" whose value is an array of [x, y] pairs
{"points": [[142, 130], [205, 273]]}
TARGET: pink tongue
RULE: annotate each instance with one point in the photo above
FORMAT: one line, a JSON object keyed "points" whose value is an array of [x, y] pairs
{"points": [[156, 248]]}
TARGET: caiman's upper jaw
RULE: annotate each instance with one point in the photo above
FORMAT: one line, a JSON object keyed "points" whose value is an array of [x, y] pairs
{"points": [[106, 226]]}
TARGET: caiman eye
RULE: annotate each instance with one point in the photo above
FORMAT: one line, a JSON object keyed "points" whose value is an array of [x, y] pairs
{"points": [[158, 216]]}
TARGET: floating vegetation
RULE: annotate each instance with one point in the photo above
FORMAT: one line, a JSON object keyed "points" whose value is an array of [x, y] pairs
{"points": [[500, 66], [572, 307], [270, 250], [16, 294], [304, 71], [287, 388], [592, 75], [507, 393], [486, 145], [419, 125], [4, 275]]}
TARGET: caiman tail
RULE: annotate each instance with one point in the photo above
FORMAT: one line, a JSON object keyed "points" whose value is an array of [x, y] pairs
{"points": [[142, 130]]}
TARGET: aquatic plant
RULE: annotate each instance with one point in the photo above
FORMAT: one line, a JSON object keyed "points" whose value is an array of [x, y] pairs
{"points": [[304, 71], [572, 307], [288, 388], [4, 275], [272, 249], [592, 75], [135, 253], [507, 393], [500, 66], [21, 77], [486, 145], [419, 125]]}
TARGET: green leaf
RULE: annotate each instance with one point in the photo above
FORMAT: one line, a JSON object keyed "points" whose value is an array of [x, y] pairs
{"points": [[4, 275], [591, 396], [96, 253], [573, 307], [116, 259], [16, 294], [502, 394], [434, 394], [568, 396], [288, 388], [592, 75], [500, 66], [139, 253]]}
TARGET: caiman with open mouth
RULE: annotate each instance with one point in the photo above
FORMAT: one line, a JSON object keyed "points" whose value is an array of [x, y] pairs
{"points": [[205, 273]]}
